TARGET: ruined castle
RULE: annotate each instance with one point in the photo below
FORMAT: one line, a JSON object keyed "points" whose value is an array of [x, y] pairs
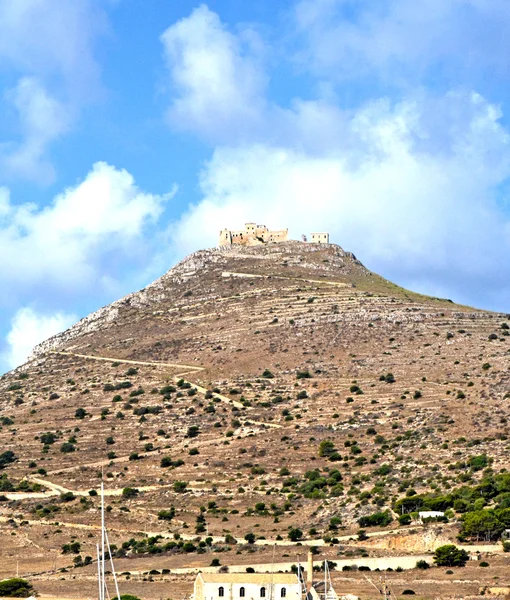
{"points": [[254, 235]]}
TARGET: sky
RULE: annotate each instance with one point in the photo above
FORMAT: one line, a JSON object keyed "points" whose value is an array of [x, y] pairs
{"points": [[131, 132]]}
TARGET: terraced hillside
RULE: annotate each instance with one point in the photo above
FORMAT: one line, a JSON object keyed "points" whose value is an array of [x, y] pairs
{"points": [[284, 394]]}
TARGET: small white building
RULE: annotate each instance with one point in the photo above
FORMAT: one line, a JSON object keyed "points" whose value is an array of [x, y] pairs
{"points": [[247, 586], [430, 514], [320, 238]]}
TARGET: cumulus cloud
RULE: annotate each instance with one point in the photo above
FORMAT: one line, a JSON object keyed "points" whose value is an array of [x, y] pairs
{"points": [[80, 237], [217, 83], [49, 47], [42, 119], [407, 188], [29, 328], [402, 41], [54, 40]]}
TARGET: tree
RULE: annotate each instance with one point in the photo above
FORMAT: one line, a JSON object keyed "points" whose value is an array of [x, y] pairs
{"points": [[295, 534], [326, 448], [482, 524], [250, 538], [80, 413], [450, 556], [16, 588]]}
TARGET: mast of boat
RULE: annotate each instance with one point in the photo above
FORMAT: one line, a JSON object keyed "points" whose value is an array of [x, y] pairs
{"points": [[272, 575], [325, 579], [103, 582], [99, 578]]}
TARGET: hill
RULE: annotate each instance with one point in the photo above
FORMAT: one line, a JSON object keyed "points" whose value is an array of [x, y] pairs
{"points": [[276, 392]]}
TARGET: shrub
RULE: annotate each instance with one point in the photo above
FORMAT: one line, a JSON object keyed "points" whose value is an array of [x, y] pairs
{"points": [[422, 564], [71, 548], [67, 447], [16, 588], [180, 486], [6, 458], [295, 534], [303, 375], [193, 431], [267, 374], [380, 519], [129, 492], [404, 519], [166, 515], [80, 413]]}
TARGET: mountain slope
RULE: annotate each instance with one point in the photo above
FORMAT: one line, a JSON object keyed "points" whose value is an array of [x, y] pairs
{"points": [[215, 386]]}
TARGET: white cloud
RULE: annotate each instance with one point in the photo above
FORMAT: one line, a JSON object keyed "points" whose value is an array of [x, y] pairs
{"points": [[29, 328], [217, 82], [48, 45], [42, 119], [80, 238], [400, 40], [54, 40], [407, 188]]}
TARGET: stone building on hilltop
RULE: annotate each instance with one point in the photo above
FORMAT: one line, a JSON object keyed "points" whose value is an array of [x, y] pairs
{"points": [[252, 235], [255, 235]]}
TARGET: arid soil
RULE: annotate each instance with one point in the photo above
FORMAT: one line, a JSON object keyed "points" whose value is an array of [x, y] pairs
{"points": [[211, 390]]}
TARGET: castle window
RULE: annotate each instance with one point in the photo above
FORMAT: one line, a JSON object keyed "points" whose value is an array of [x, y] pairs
{"points": [[263, 592], [242, 592], [221, 592], [283, 593]]}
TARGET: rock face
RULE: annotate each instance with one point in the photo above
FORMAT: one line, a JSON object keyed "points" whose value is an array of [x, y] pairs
{"points": [[191, 270], [278, 387]]}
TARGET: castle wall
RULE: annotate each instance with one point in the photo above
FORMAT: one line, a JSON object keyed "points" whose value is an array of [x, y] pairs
{"points": [[253, 235]]}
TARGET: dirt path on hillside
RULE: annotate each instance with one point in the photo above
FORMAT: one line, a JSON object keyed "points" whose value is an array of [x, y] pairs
{"points": [[188, 368]]}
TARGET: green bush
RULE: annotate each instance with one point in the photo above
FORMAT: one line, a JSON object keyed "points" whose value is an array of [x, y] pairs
{"points": [[16, 588], [450, 556], [380, 519], [6, 458], [129, 492]]}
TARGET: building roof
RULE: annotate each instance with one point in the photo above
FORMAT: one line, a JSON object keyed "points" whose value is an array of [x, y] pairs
{"points": [[262, 578]]}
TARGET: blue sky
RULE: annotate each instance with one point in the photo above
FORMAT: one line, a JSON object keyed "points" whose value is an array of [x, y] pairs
{"points": [[132, 131]]}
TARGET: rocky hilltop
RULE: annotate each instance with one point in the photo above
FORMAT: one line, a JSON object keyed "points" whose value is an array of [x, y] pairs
{"points": [[278, 394]]}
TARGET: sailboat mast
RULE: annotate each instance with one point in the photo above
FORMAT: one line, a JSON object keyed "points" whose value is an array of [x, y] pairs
{"points": [[99, 578], [113, 568], [103, 582]]}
